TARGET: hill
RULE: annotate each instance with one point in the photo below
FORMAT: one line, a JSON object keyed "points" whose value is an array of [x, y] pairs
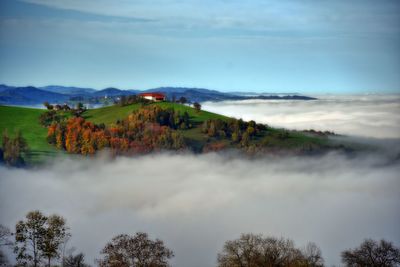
{"points": [[29, 96], [68, 90], [27, 120]]}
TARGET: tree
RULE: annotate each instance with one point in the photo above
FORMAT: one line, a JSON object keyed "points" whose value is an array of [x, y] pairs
{"points": [[372, 253], [29, 237], [197, 106], [313, 255], [252, 250], [48, 106], [75, 261], [135, 251], [5, 235], [39, 237], [182, 100], [55, 234], [14, 148]]}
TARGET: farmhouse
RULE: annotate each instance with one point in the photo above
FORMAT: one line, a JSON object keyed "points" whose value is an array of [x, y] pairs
{"points": [[153, 96]]}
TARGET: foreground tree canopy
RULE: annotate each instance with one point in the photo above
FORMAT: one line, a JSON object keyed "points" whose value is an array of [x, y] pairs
{"points": [[42, 241], [135, 251], [252, 250], [38, 238], [372, 253]]}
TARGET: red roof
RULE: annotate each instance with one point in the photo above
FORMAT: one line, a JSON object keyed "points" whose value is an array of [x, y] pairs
{"points": [[156, 95]]}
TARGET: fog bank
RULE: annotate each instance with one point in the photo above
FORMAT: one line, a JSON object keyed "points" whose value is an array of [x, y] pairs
{"points": [[361, 115], [196, 203]]}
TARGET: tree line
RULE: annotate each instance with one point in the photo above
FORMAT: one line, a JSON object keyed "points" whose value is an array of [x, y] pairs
{"points": [[150, 128], [237, 131], [40, 240]]}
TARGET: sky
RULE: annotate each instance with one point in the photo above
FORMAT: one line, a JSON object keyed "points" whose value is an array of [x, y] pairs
{"points": [[230, 45]]}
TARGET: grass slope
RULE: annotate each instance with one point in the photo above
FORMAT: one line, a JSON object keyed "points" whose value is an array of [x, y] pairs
{"points": [[111, 114], [27, 121]]}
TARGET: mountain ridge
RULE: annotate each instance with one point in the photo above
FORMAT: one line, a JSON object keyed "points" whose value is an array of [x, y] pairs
{"points": [[28, 95]]}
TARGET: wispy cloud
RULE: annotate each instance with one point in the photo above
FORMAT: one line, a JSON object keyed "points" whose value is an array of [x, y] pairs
{"points": [[249, 17]]}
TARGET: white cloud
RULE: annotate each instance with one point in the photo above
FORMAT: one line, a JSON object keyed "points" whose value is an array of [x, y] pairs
{"points": [[367, 115], [195, 203]]}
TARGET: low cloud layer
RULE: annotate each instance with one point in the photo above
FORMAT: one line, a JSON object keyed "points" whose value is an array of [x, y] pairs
{"points": [[366, 115], [196, 203]]}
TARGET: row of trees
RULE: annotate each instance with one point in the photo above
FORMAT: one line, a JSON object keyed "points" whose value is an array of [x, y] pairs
{"points": [[131, 99], [13, 149], [238, 131], [40, 240], [148, 129], [77, 111]]}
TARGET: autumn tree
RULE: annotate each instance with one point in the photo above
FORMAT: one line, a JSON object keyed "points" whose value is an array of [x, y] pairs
{"points": [[39, 237], [252, 250], [135, 251], [372, 253]]}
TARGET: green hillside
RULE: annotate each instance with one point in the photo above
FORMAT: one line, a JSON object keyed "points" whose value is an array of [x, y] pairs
{"points": [[111, 114], [27, 121]]}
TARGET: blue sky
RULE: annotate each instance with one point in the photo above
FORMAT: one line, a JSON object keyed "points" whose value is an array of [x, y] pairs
{"points": [[249, 45]]}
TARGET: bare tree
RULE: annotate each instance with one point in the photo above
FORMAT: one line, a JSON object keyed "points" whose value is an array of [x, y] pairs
{"points": [[252, 250], [77, 260], [372, 253], [5, 241], [135, 251], [39, 237], [313, 255]]}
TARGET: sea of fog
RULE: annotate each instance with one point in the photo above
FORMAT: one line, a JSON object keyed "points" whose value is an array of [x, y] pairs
{"points": [[197, 202], [359, 115]]}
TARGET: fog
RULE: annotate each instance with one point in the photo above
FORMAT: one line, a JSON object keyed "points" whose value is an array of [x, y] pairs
{"points": [[361, 115], [196, 202]]}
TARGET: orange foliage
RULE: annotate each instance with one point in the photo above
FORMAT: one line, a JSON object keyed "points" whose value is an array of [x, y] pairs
{"points": [[138, 133]]}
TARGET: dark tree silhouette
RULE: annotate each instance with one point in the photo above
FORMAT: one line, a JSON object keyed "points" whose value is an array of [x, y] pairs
{"points": [[252, 250], [182, 100], [135, 251], [13, 149], [372, 253], [5, 235], [39, 237], [77, 260], [197, 106]]}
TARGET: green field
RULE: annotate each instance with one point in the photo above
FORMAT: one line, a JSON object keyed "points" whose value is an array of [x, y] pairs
{"points": [[26, 120]]}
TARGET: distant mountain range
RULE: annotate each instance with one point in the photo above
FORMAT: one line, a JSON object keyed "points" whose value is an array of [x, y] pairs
{"points": [[29, 95]]}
